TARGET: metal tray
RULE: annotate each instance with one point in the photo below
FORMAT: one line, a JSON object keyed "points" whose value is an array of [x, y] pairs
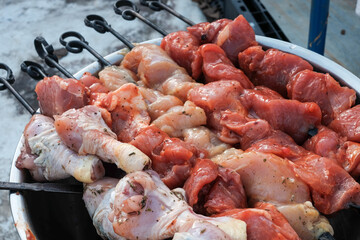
{"points": [[63, 216]]}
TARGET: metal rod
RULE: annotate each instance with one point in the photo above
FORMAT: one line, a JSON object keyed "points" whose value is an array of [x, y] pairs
{"points": [[158, 5], [46, 52], [318, 25], [100, 25], [76, 46], [34, 70], [44, 187], [133, 12], [6, 84]]}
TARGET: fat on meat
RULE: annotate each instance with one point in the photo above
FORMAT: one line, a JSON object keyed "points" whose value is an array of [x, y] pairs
{"points": [[205, 140], [332, 188], [216, 66], [264, 222], [57, 95], [347, 124], [171, 158], [158, 71], [179, 118], [48, 158], [310, 86], [143, 207], [85, 131], [183, 48], [211, 189], [272, 68], [290, 116], [328, 143]]}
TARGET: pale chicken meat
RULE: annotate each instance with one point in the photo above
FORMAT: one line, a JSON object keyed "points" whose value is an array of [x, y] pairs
{"points": [[179, 118], [48, 158], [143, 207], [204, 139], [158, 71], [85, 131], [56, 95], [113, 77]]}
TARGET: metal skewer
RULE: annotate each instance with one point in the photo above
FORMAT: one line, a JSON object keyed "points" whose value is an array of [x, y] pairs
{"points": [[34, 70], [43, 187], [100, 25], [46, 52], [131, 12], [158, 5], [6, 84]]}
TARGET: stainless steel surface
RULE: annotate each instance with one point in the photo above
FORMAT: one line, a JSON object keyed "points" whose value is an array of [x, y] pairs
{"points": [[68, 219]]}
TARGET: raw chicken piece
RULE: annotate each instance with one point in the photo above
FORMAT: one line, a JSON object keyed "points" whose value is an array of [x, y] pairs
{"points": [[143, 207], [305, 220], [85, 131], [272, 68], [171, 158], [158, 103], [310, 86], [211, 189], [207, 32], [328, 143], [48, 158], [216, 66], [205, 140], [264, 222], [290, 116], [97, 197], [113, 77], [158, 71], [269, 178], [265, 177], [235, 37], [179, 118], [56, 95], [182, 47], [347, 124], [332, 188], [92, 84]]}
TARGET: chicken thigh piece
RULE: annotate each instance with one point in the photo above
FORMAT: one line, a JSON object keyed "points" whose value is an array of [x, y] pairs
{"points": [[48, 158], [143, 207], [85, 131]]}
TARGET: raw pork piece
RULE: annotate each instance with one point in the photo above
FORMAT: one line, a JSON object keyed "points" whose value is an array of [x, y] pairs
{"points": [[235, 37], [211, 189], [85, 131], [56, 95], [310, 86], [48, 158], [182, 47], [264, 222], [328, 143], [207, 32], [143, 207], [272, 68], [171, 158], [216, 66], [290, 116], [347, 124], [158, 71]]}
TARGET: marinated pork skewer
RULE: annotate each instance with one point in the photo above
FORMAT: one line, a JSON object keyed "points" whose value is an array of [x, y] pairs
{"points": [[158, 5], [141, 196]]}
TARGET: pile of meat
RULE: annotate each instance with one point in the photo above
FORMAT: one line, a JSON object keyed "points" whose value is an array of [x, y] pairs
{"points": [[220, 139]]}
